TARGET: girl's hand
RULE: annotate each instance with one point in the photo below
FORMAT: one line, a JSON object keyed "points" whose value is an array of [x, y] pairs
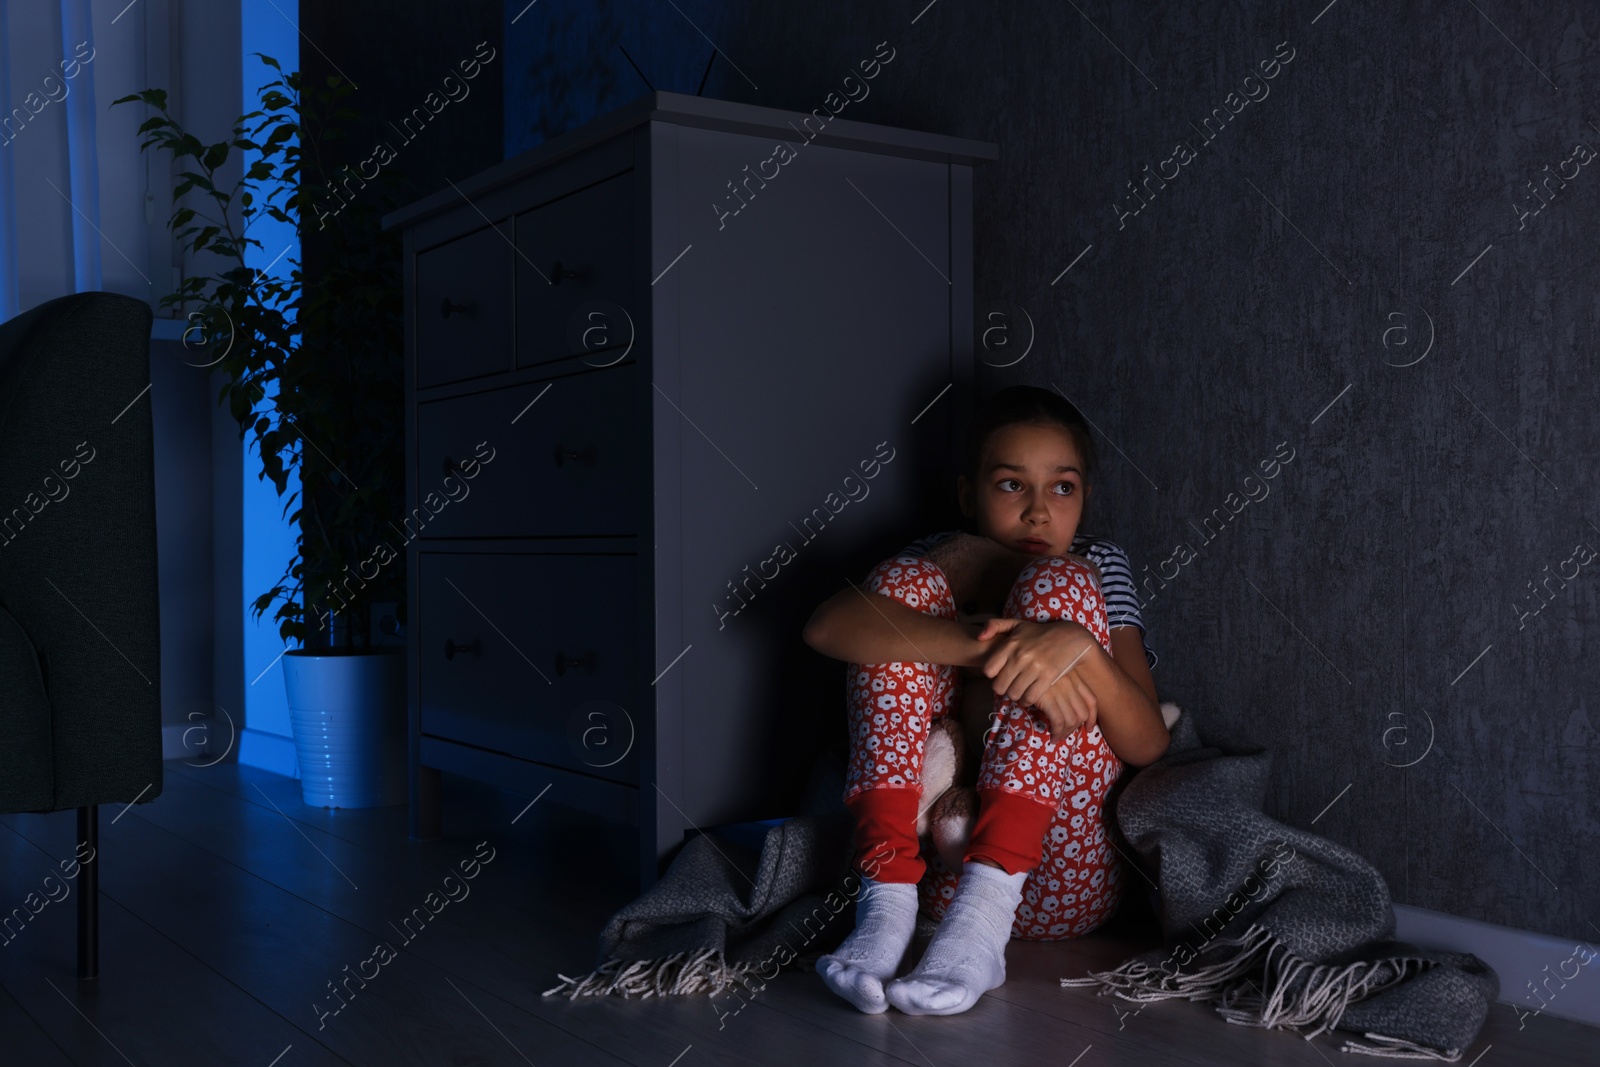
{"points": [[1032, 663], [1069, 705]]}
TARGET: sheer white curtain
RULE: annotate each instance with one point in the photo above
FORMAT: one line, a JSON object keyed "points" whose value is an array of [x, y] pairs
{"points": [[78, 208]]}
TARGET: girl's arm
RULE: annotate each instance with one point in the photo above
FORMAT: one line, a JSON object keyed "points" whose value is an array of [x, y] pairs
{"points": [[980, 571], [1127, 712], [863, 627]]}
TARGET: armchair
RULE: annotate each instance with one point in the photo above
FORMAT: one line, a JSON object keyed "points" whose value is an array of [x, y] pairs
{"points": [[80, 686]]}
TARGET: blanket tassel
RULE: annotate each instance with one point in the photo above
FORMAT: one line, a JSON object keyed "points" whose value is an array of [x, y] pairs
{"points": [[1398, 1048], [1298, 993], [680, 973]]}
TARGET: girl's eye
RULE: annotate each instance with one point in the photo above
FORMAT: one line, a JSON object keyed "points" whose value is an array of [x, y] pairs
{"points": [[1068, 486]]}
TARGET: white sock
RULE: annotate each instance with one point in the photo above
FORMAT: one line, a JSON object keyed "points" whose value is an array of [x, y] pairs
{"points": [[967, 956], [886, 917]]}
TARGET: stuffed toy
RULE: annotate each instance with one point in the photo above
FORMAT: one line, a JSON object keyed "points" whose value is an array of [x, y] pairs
{"points": [[950, 771]]}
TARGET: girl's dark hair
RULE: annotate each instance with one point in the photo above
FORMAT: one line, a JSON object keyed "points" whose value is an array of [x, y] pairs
{"points": [[1030, 405]]}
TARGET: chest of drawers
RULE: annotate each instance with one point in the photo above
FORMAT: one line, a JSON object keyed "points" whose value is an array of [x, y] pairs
{"points": [[661, 393]]}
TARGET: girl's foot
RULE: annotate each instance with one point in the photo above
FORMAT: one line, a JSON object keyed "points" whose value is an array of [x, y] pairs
{"points": [[886, 917], [967, 956]]}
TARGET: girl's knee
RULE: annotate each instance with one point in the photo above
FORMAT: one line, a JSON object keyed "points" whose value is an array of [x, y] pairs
{"points": [[914, 581], [1056, 586], [1071, 566]]}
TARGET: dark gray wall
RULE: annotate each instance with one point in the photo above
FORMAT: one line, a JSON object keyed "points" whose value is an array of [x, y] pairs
{"points": [[397, 54], [1365, 604]]}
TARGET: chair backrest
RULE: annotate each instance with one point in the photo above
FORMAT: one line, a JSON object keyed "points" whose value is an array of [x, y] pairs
{"points": [[80, 685]]}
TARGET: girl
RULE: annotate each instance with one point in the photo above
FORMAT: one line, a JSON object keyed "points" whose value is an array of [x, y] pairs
{"points": [[1072, 704]]}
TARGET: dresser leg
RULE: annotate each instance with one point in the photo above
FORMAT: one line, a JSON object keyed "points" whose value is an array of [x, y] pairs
{"points": [[425, 803]]}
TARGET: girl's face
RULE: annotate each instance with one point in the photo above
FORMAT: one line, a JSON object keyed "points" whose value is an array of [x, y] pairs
{"points": [[1030, 494]]}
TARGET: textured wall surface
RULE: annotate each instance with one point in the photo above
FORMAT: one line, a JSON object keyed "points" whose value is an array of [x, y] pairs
{"points": [[1338, 350]]}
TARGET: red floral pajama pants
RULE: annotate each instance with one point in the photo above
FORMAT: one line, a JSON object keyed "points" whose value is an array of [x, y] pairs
{"points": [[1040, 800]]}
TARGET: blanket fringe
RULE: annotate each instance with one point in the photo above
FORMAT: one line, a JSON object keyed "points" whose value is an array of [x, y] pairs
{"points": [[704, 970], [1398, 1048], [1138, 981], [1294, 992]]}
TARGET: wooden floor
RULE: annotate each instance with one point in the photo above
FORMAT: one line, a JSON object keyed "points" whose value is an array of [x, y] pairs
{"points": [[229, 909]]}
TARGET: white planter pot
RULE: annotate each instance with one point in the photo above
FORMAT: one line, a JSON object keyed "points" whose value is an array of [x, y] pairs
{"points": [[348, 714]]}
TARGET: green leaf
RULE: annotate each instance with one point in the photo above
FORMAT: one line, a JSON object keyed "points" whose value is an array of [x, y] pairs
{"points": [[156, 98], [206, 233], [331, 354]]}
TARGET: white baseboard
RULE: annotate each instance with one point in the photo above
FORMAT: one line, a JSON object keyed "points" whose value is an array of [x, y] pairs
{"points": [[189, 741], [172, 746], [270, 752], [1539, 974], [202, 741]]}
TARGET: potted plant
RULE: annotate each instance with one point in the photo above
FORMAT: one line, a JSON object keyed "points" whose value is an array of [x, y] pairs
{"points": [[313, 369]]}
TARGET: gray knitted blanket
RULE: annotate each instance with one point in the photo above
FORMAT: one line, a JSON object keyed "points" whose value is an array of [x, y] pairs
{"points": [[722, 915], [1279, 927]]}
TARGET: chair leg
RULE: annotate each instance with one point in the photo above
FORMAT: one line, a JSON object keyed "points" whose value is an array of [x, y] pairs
{"points": [[89, 894]]}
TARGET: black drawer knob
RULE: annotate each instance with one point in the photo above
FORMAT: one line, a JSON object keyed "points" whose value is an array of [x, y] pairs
{"points": [[452, 467], [448, 308], [451, 648], [557, 273], [586, 454], [588, 661]]}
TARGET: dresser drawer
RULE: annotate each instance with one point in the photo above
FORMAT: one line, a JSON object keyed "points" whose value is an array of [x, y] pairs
{"points": [[575, 274], [463, 308], [564, 458], [533, 656]]}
